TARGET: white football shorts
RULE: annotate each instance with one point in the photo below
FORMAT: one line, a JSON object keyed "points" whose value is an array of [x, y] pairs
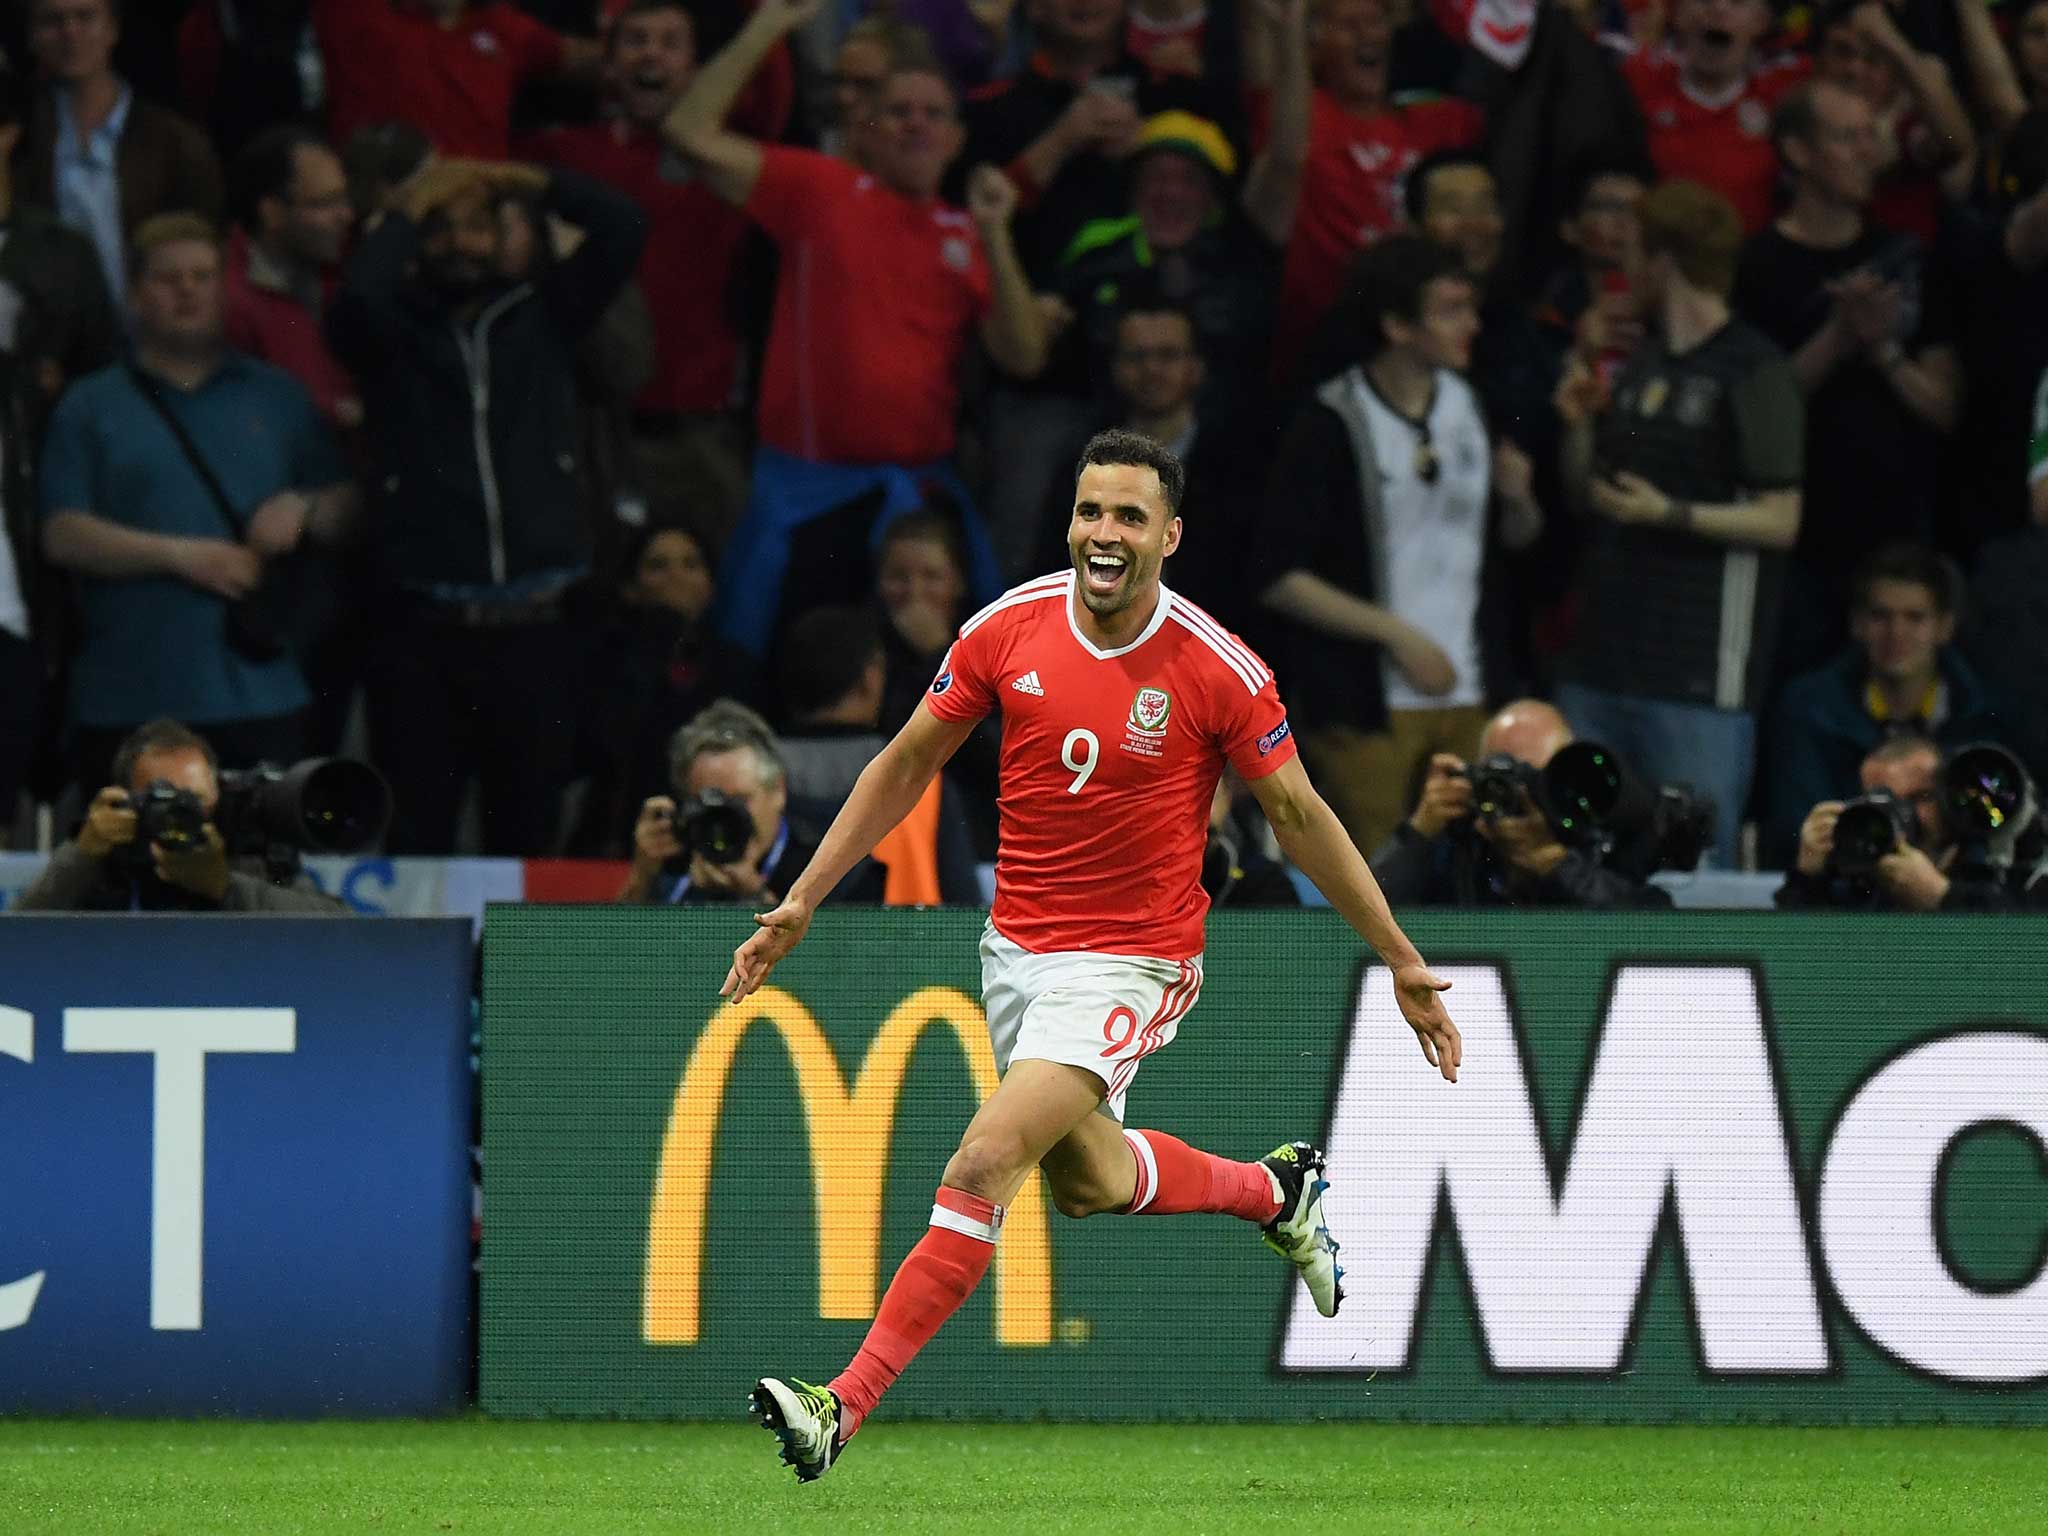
{"points": [[1105, 1013]]}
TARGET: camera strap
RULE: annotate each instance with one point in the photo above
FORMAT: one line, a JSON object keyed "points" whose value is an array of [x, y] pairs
{"points": [[152, 391]]}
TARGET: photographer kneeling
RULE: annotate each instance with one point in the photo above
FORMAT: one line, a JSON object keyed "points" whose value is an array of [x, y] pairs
{"points": [[1923, 836], [1478, 836], [150, 844], [731, 839]]}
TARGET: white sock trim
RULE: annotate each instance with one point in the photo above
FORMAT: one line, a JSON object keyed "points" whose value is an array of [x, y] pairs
{"points": [[1148, 1170], [967, 1226]]}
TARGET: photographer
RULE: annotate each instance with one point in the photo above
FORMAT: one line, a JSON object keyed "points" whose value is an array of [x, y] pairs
{"points": [[1460, 849], [731, 838], [1897, 848], [116, 865]]}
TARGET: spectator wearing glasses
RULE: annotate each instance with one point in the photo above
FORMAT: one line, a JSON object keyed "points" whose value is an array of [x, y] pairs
{"points": [[293, 220]]}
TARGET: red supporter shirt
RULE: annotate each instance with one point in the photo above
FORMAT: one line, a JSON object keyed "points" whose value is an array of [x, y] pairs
{"points": [[686, 266], [1109, 762], [454, 84], [267, 322], [1351, 193], [874, 305], [1726, 147]]}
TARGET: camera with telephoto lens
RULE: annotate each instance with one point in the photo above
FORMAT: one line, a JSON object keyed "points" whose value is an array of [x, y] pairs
{"points": [[323, 805], [713, 825], [1597, 805], [1870, 827]]}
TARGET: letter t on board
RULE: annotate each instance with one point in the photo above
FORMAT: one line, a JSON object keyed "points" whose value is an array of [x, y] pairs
{"points": [[179, 1039]]}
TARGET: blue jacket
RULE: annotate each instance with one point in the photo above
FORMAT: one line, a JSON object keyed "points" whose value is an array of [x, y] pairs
{"points": [[1821, 732]]}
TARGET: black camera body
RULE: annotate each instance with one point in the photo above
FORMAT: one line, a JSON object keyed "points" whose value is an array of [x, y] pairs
{"points": [[168, 815], [714, 826], [1870, 827], [1499, 785]]}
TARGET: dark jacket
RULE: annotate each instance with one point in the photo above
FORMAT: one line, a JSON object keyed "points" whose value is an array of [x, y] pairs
{"points": [[73, 881], [474, 432], [164, 162], [1821, 732], [1463, 871]]}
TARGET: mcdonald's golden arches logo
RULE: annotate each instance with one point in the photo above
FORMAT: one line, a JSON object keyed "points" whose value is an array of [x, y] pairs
{"points": [[849, 1132]]}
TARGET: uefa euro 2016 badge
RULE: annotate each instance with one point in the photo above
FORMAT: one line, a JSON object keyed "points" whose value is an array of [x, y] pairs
{"points": [[955, 254]]}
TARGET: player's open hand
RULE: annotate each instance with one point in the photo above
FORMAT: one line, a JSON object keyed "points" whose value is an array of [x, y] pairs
{"points": [[1418, 992], [777, 935]]}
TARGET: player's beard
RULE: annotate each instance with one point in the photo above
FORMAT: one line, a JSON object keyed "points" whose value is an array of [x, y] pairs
{"points": [[1138, 570]]}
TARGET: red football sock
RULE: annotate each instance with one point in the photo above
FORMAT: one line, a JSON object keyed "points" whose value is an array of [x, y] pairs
{"points": [[1174, 1178], [937, 1275]]}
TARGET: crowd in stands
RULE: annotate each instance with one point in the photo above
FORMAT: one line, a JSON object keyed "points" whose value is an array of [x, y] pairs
{"points": [[581, 405]]}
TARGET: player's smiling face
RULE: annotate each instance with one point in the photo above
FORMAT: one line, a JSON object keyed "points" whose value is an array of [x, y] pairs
{"points": [[1121, 534]]}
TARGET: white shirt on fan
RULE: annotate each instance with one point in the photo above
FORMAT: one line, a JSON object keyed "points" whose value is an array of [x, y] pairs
{"points": [[1434, 541]]}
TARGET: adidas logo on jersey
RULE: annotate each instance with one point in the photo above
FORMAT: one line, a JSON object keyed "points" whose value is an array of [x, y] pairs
{"points": [[1030, 684]]}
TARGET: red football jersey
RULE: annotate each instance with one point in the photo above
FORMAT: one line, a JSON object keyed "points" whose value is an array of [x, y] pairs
{"points": [[1724, 145], [1109, 762], [875, 306]]}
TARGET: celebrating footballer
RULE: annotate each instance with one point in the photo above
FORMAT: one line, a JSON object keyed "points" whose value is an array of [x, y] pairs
{"points": [[1121, 703]]}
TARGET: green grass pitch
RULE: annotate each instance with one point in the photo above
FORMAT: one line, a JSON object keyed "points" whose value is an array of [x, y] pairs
{"points": [[123, 1478]]}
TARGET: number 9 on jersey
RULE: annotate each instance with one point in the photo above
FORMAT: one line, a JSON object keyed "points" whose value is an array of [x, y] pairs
{"points": [[1079, 754]]}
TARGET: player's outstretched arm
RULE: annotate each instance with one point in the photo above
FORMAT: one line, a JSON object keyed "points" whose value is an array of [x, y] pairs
{"points": [[1317, 844], [886, 791]]}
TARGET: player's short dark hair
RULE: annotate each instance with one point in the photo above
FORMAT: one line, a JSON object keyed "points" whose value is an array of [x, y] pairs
{"points": [[265, 168], [1415, 189], [1118, 446], [1917, 565], [1387, 281], [1592, 169], [824, 656], [164, 735]]}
